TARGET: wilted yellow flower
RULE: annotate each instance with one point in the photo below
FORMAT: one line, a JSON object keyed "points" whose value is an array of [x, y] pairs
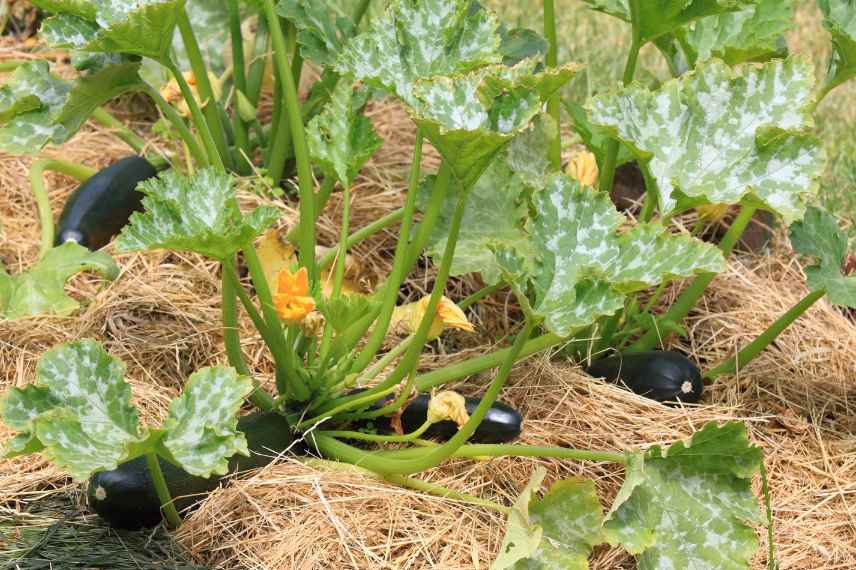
{"points": [[292, 299], [313, 324], [171, 92], [583, 167], [448, 405], [449, 315]]}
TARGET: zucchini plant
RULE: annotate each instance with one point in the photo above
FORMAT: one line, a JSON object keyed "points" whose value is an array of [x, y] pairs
{"points": [[733, 127]]}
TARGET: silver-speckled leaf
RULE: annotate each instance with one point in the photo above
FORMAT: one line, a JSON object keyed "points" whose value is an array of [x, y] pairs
{"points": [[201, 429], [494, 216], [660, 17], [93, 426], [199, 214], [470, 117], [819, 236], [41, 290], [68, 31], [138, 27], [755, 33], [718, 136], [586, 267], [34, 126], [528, 152], [415, 40], [341, 138], [18, 408], [840, 20], [691, 505], [321, 34]]}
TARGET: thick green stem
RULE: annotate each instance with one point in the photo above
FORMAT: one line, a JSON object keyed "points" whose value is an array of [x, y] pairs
{"points": [[169, 510], [757, 346], [198, 117], [280, 148], [479, 295], [362, 234], [362, 436], [321, 198], [339, 275], [360, 12], [517, 450], [396, 276], [429, 219], [445, 492], [301, 151], [607, 174], [40, 193], [232, 339], [436, 455], [255, 78], [239, 127], [684, 304], [211, 107], [285, 377], [425, 382], [552, 60], [177, 121]]}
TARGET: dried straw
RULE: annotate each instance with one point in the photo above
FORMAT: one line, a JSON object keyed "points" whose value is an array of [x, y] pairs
{"points": [[161, 316]]}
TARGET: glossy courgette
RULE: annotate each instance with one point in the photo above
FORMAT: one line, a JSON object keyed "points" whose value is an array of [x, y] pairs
{"points": [[661, 375], [125, 497], [101, 206]]}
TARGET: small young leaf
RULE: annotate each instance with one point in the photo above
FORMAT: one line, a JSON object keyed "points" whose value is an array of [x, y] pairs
{"points": [[320, 36], [78, 412], [660, 17], [719, 136], [840, 20], [494, 215], [585, 268], [819, 236], [415, 40], [755, 33], [42, 288], [527, 154], [201, 429], [199, 214], [341, 138], [688, 506]]}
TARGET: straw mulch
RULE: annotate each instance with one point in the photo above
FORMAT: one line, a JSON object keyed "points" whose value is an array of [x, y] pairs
{"points": [[161, 317]]}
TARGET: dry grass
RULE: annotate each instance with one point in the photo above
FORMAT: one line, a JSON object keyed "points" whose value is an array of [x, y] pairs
{"points": [[161, 316]]}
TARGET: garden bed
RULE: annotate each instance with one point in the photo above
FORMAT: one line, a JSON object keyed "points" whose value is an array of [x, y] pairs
{"points": [[161, 318]]}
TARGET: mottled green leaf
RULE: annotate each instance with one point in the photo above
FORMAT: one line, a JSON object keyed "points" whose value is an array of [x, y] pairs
{"points": [[755, 33], [82, 8], [586, 267], [819, 236], [470, 117], [519, 44], [199, 214], [68, 31], [30, 100], [721, 136], [92, 90], [557, 531], [138, 27], [528, 154], [201, 429], [341, 138], [840, 20], [414, 40], [78, 413], [660, 17], [18, 408], [595, 138], [42, 288], [494, 216], [691, 505], [320, 35]]}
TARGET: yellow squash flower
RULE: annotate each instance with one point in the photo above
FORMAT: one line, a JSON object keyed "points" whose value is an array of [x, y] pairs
{"points": [[406, 318], [448, 405], [583, 167], [292, 299]]}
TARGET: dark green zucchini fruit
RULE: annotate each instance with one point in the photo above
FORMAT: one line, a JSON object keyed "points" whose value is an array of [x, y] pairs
{"points": [[125, 497], [101, 206], [501, 424], [661, 375]]}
